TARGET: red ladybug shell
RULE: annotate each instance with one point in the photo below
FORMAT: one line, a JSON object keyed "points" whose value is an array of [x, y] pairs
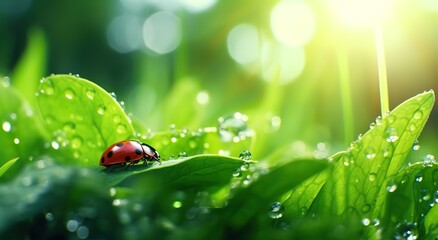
{"points": [[128, 151]]}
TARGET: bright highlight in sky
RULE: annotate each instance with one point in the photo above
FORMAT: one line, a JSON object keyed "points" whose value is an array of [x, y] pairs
{"points": [[361, 13], [293, 23]]}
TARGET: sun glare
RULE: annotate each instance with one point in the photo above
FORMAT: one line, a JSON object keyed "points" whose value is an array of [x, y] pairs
{"points": [[361, 13]]}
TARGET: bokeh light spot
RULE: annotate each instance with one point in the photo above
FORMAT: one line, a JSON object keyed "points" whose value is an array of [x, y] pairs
{"points": [[290, 61], [124, 34], [243, 43], [293, 22], [162, 32], [197, 5]]}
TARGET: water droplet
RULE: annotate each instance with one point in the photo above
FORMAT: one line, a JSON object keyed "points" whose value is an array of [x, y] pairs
{"points": [[122, 104], [245, 155], [303, 210], [49, 217], [90, 93], [245, 166], [406, 230], [412, 127], [366, 221], [416, 145], [6, 126], [116, 118], [76, 142], [113, 94], [47, 87], [237, 173], [372, 176], [387, 151], [391, 134], [429, 160], [418, 114], [418, 178], [425, 195], [16, 140], [370, 153], [5, 82], [276, 210], [121, 128], [378, 120], [234, 128], [366, 208], [69, 93], [182, 155], [390, 119], [391, 188], [372, 125], [375, 222], [101, 109]]}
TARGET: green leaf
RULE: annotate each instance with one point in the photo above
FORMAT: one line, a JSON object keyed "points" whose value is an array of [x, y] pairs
{"points": [[257, 197], [172, 143], [358, 181], [44, 197], [431, 223], [83, 119], [31, 66], [7, 165], [199, 171], [20, 133]]}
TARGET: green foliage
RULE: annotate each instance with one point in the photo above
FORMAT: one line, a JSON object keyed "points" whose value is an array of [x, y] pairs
{"points": [[201, 189]]}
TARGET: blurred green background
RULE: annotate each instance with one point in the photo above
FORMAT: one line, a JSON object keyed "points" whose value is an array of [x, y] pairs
{"points": [[188, 62]]}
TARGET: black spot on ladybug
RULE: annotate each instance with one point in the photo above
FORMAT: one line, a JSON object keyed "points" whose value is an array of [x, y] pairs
{"points": [[127, 158], [138, 151], [102, 160], [119, 144], [110, 154]]}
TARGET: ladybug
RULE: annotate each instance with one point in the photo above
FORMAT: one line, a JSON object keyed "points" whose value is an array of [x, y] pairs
{"points": [[128, 151]]}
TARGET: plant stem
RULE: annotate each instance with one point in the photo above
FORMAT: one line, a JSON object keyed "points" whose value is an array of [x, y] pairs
{"points": [[381, 64], [347, 106]]}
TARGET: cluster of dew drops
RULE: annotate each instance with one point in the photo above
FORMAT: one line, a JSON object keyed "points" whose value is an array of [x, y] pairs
{"points": [[67, 136]]}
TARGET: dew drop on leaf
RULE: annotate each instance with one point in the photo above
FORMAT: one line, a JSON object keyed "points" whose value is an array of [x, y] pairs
{"points": [[390, 119], [418, 114], [234, 128], [276, 210], [69, 93], [90, 93], [412, 127], [391, 134], [391, 188], [366, 221], [76, 142], [121, 128], [366, 208], [416, 145], [419, 177], [370, 153], [379, 121], [429, 160], [245, 155], [182, 155], [101, 110], [47, 87], [372, 176], [406, 230], [303, 210], [237, 173]]}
